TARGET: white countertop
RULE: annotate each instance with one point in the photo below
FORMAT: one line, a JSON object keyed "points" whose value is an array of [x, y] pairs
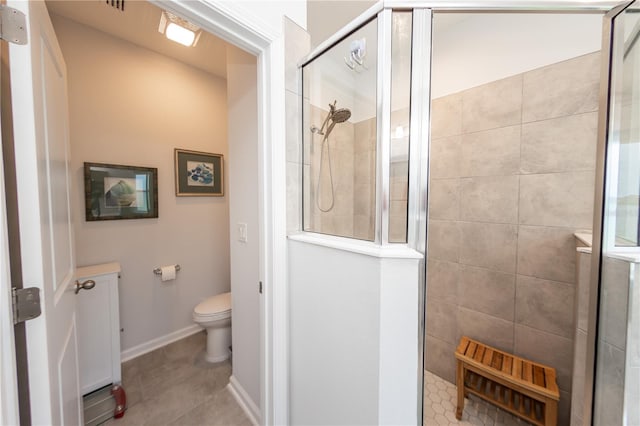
{"points": [[97, 270]]}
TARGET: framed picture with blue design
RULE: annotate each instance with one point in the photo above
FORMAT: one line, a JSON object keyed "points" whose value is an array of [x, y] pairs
{"points": [[199, 174], [113, 191]]}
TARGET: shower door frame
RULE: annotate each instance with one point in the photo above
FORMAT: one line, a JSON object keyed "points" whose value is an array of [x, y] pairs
{"points": [[420, 139]]}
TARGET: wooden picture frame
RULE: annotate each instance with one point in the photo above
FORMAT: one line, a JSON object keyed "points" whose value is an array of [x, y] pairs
{"points": [[114, 192], [199, 174]]}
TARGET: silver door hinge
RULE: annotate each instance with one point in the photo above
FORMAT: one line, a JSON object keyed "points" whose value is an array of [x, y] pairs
{"points": [[13, 25], [26, 304]]}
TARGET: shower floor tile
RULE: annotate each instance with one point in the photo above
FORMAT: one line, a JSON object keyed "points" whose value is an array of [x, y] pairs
{"points": [[174, 385], [440, 398]]}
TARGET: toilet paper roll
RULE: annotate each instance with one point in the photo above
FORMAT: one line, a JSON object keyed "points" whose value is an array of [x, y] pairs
{"points": [[168, 272]]}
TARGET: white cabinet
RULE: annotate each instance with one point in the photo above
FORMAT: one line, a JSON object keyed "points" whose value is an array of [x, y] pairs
{"points": [[99, 327]]}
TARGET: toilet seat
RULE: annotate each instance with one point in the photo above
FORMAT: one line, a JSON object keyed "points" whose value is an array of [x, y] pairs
{"points": [[213, 308]]}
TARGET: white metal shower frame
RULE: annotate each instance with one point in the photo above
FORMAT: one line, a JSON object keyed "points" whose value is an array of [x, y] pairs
{"points": [[419, 137]]}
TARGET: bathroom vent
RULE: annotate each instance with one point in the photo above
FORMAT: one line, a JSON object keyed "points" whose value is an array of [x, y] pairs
{"points": [[118, 4]]}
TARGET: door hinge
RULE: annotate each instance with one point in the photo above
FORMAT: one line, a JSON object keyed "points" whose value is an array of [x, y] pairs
{"points": [[260, 287], [13, 25], [26, 304]]}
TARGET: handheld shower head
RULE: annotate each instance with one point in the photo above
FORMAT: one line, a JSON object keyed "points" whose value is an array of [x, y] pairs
{"points": [[336, 116], [341, 115]]}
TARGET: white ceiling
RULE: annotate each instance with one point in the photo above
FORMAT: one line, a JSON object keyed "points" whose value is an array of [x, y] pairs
{"points": [[138, 24]]}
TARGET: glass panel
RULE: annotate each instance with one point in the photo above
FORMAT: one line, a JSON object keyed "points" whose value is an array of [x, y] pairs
{"points": [[617, 389], [400, 102], [628, 120], [339, 136]]}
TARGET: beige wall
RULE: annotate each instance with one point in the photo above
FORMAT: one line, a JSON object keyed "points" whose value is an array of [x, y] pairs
{"points": [[512, 177], [130, 106], [325, 17], [243, 208]]}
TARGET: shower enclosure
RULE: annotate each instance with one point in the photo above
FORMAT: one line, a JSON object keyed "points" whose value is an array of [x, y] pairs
{"points": [[376, 159], [340, 92]]}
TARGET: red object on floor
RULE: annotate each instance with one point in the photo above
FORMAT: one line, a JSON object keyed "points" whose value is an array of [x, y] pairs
{"points": [[121, 401]]}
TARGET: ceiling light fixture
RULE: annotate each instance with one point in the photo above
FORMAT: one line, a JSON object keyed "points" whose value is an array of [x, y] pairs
{"points": [[179, 30]]}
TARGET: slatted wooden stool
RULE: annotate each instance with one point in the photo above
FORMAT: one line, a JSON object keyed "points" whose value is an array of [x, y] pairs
{"points": [[519, 386]]}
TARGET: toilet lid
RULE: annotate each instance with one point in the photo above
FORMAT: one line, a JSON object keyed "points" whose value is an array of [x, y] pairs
{"points": [[214, 305]]}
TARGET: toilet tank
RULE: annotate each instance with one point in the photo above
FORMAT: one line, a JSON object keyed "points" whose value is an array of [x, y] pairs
{"points": [[99, 327]]}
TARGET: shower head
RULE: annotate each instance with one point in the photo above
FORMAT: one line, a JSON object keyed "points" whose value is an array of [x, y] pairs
{"points": [[340, 115], [336, 116]]}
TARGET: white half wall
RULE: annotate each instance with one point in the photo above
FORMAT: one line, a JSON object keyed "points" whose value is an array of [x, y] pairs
{"points": [[353, 333], [131, 106], [243, 171]]}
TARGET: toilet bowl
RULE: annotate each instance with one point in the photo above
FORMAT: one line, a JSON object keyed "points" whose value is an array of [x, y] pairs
{"points": [[214, 314]]}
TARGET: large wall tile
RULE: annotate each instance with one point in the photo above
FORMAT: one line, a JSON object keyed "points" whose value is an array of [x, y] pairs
{"points": [[614, 295], [444, 161], [557, 199], [583, 282], [442, 280], [547, 253], [546, 348], [491, 152], [439, 358], [442, 320], [293, 136], [489, 245], [297, 44], [560, 145], [443, 240], [294, 196], [564, 408], [365, 135], [486, 329], [566, 88], [444, 198], [578, 379], [365, 163], [545, 305], [446, 116], [609, 395], [492, 105], [363, 203], [489, 199], [487, 291], [363, 227]]}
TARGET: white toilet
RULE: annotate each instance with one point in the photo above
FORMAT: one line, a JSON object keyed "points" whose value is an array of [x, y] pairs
{"points": [[214, 314]]}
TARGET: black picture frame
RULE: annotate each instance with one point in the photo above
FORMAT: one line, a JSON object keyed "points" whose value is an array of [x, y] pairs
{"points": [[115, 192], [199, 174]]}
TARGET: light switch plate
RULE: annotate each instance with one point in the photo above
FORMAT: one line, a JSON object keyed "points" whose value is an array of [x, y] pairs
{"points": [[242, 232]]}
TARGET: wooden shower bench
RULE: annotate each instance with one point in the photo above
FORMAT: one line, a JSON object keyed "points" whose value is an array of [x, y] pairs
{"points": [[519, 386]]}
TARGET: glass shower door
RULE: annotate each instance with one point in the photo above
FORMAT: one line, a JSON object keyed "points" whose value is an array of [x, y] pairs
{"points": [[617, 376]]}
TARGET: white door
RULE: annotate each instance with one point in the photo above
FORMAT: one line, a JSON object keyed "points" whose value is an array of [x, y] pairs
{"points": [[39, 88]]}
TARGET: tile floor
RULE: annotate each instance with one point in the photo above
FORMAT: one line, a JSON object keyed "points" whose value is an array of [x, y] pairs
{"points": [[174, 385], [440, 399]]}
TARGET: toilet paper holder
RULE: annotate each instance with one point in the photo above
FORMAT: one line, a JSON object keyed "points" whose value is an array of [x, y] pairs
{"points": [[158, 271]]}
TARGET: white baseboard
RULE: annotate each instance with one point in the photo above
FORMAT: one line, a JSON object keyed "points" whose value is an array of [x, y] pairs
{"points": [[158, 342], [244, 400]]}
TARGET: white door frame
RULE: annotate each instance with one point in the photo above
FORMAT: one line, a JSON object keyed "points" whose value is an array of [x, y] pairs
{"points": [[8, 379], [230, 22]]}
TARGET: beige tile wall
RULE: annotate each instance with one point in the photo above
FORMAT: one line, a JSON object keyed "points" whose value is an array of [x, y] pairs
{"points": [[297, 45], [512, 178]]}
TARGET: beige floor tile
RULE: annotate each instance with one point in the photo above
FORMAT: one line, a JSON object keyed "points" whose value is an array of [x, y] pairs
{"points": [[175, 385]]}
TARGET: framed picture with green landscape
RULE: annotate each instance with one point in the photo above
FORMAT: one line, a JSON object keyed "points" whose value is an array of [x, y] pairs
{"points": [[115, 192], [199, 174]]}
